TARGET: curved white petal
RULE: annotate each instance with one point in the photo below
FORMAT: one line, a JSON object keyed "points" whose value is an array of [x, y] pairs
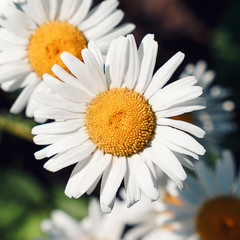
{"points": [[112, 178]]}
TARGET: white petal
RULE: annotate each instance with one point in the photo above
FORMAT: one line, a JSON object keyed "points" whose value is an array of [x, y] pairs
{"points": [[143, 176], [59, 102], [65, 90], [176, 148], [167, 162], [67, 9], [69, 142], [104, 42], [207, 178], [18, 69], [200, 69], [56, 114], [162, 76], [108, 60], [180, 138], [98, 14], [78, 68], [58, 127], [54, 9], [185, 161], [69, 157], [93, 186], [180, 84], [11, 55], [133, 64], [78, 174], [87, 176], [69, 226], [11, 85], [81, 13], [182, 125], [117, 63], [9, 37], [190, 106], [112, 178], [71, 186], [131, 185], [225, 172], [95, 72], [71, 80], [104, 26], [33, 105], [17, 17], [36, 11], [166, 100], [15, 29], [96, 52], [148, 54], [48, 139], [23, 98]]}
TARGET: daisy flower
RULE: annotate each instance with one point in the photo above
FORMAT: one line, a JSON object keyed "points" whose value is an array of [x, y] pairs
{"points": [[148, 219], [217, 118], [96, 225], [112, 120], [33, 37], [210, 203]]}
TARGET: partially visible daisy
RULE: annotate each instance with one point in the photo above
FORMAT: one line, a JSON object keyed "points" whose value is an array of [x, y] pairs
{"points": [[113, 121], [217, 118], [210, 204], [95, 226], [148, 219], [33, 37]]}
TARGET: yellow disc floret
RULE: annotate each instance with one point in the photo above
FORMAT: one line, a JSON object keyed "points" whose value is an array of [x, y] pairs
{"points": [[219, 219], [120, 121], [49, 41]]}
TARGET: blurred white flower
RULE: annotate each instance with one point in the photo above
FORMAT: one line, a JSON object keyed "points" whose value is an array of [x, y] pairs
{"points": [[217, 118], [96, 226], [146, 216], [33, 36], [210, 204]]}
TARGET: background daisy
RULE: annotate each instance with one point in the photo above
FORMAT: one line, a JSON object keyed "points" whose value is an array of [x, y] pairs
{"points": [[112, 120], [61, 226], [217, 118], [210, 203], [33, 37]]}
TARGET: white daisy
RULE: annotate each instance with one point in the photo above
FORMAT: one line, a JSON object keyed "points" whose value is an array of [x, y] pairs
{"points": [[210, 204], [33, 37], [147, 218], [112, 120], [96, 225], [217, 118]]}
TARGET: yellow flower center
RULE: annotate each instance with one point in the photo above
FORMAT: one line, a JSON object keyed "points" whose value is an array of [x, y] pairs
{"points": [[219, 219], [120, 121], [49, 41]]}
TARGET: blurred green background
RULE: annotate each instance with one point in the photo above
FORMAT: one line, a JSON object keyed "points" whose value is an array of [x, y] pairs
{"points": [[206, 30]]}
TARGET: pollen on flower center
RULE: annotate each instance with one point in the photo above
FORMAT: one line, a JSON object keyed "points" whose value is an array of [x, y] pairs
{"points": [[120, 121], [49, 41], [219, 218]]}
